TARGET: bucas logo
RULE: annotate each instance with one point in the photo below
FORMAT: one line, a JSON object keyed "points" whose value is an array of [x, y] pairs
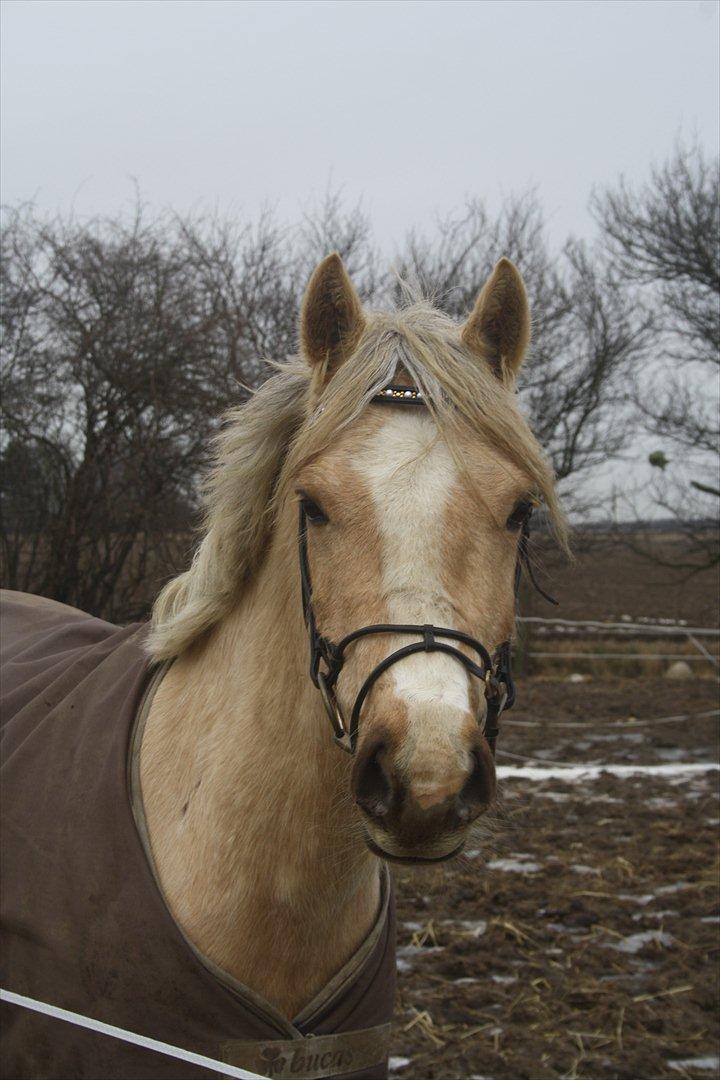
{"points": [[304, 1064]]}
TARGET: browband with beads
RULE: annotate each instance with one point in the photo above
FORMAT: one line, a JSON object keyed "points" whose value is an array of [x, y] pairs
{"points": [[400, 395]]}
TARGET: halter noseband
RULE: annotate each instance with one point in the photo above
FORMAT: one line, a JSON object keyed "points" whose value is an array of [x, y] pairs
{"points": [[494, 672]]}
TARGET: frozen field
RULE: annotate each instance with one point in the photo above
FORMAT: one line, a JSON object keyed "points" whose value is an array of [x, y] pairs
{"points": [[580, 937]]}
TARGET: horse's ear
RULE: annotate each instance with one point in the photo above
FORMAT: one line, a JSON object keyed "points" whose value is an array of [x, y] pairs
{"points": [[499, 328], [332, 318]]}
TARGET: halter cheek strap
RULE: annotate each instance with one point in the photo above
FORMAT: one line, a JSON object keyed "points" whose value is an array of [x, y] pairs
{"points": [[494, 672]]}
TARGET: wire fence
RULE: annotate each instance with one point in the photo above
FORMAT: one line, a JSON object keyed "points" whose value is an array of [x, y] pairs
{"points": [[637, 629], [132, 1037], [579, 628], [611, 722]]}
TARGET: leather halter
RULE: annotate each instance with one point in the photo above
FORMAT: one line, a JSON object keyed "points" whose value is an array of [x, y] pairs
{"points": [[494, 672]]}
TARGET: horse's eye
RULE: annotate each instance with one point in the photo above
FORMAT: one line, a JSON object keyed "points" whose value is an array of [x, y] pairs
{"points": [[314, 513], [520, 514]]}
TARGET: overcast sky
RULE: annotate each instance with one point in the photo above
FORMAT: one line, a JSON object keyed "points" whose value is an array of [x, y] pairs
{"points": [[408, 105]]}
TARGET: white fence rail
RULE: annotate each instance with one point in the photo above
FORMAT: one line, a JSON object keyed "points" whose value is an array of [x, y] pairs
{"points": [[634, 628], [127, 1036], [595, 628]]}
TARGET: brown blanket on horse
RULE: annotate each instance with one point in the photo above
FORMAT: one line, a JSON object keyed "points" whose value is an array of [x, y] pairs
{"points": [[85, 926]]}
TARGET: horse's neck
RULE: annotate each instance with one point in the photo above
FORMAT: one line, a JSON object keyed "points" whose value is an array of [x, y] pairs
{"points": [[248, 806]]}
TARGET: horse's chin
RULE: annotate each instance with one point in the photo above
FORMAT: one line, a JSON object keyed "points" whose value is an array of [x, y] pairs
{"points": [[411, 858]]}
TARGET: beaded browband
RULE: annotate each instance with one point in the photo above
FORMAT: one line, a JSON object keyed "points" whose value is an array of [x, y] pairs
{"points": [[400, 395]]}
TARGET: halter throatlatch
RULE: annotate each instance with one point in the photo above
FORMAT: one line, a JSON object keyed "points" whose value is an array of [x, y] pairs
{"points": [[327, 658]]}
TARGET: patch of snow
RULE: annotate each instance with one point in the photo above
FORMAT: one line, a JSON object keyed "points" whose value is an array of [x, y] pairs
{"points": [[636, 942], [653, 915], [628, 736], [679, 886], [504, 980], [660, 620], [711, 919], [679, 772], [561, 928], [408, 953], [514, 866], [413, 926], [580, 868], [465, 981], [711, 1063], [671, 753], [692, 793], [554, 796], [395, 1063], [645, 898]]}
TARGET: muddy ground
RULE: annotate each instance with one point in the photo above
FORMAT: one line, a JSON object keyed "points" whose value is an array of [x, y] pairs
{"points": [[580, 938]]}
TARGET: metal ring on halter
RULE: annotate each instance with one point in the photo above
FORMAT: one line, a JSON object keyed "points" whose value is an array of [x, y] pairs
{"points": [[342, 736]]}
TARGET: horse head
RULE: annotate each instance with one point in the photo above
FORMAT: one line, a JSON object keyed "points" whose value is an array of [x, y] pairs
{"points": [[412, 515]]}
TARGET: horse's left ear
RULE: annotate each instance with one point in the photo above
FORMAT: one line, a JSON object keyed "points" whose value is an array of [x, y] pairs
{"points": [[499, 328], [332, 318]]}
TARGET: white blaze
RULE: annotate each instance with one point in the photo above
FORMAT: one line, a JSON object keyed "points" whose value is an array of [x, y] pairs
{"points": [[411, 473]]}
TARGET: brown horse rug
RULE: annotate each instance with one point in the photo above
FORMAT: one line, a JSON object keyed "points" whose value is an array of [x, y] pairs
{"points": [[85, 926]]}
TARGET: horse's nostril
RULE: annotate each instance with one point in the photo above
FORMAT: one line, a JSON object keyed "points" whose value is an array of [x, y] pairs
{"points": [[373, 787], [478, 791]]}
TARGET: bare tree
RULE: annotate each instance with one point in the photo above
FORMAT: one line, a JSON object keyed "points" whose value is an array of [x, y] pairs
{"points": [[663, 240], [124, 341], [122, 344], [585, 333], [105, 382]]}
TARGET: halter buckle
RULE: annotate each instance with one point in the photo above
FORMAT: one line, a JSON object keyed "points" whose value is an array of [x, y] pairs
{"points": [[492, 684], [342, 735]]}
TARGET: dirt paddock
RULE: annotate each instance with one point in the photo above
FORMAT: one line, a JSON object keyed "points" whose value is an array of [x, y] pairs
{"points": [[579, 938]]}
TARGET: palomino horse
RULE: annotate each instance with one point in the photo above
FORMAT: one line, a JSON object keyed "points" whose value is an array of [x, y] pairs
{"points": [[397, 441]]}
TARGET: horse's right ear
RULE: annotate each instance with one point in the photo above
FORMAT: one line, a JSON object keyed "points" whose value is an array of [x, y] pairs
{"points": [[332, 319]]}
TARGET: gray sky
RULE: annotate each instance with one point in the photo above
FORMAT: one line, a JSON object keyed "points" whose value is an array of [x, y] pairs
{"points": [[409, 105]]}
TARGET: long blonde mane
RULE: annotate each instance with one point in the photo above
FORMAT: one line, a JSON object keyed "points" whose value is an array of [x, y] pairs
{"points": [[288, 422]]}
